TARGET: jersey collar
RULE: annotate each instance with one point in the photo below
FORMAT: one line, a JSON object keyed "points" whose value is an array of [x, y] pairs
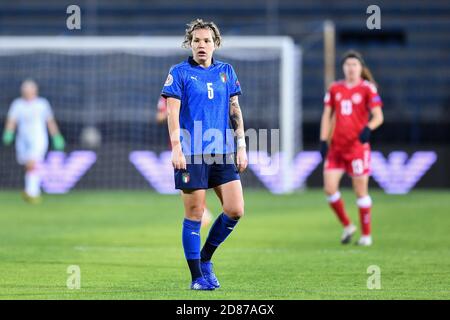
{"points": [[194, 63], [353, 86]]}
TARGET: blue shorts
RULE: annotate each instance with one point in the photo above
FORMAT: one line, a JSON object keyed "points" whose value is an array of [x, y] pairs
{"points": [[201, 173]]}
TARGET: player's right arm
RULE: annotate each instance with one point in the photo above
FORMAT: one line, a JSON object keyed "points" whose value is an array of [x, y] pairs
{"points": [[173, 91], [10, 125], [326, 124], [8, 133], [173, 122]]}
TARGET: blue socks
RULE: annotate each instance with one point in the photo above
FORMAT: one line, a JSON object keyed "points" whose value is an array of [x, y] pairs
{"points": [[191, 245], [220, 230]]}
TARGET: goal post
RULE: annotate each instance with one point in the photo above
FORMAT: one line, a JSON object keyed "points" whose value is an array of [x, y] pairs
{"points": [[329, 44], [99, 81]]}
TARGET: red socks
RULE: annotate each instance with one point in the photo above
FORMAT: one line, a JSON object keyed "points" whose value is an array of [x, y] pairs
{"points": [[337, 205], [365, 206]]}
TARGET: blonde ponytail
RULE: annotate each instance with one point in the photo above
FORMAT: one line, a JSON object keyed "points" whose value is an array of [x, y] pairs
{"points": [[366, 74]]}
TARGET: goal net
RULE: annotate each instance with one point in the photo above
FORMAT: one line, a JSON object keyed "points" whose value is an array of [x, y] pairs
{"points": [[104, 93]]}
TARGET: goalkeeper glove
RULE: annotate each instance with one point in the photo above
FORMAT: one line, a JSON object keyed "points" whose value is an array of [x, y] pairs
{"points": [[58, 142], [323, 148], [364, 136], [8, 137]]}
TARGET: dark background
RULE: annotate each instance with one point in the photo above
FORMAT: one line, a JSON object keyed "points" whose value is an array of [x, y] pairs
{"points": [[409, 57]]}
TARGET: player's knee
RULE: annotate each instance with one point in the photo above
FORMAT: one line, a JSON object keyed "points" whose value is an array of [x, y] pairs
{"points": [[235, 212], [30, 166], [330, 190], [334, 197], [361, 192], [195, 211]]}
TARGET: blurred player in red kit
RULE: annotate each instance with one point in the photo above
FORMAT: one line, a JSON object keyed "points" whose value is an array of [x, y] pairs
{"points": [[352, 111], [161, 117]]}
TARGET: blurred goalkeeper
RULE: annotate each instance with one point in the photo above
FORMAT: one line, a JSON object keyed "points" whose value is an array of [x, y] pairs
{"points": [[32, 115]]}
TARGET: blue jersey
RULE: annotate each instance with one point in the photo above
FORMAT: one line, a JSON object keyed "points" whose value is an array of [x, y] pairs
{"points": [[204, 115]]}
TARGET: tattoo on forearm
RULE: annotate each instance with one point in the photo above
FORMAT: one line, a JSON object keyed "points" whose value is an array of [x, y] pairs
{"points": [[237, 121]]}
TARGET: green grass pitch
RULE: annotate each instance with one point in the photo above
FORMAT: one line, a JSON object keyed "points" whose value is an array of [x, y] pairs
{"points": [[128, 246]]}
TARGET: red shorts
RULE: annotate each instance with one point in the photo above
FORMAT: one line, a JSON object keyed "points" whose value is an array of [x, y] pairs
{"points": [[355, 161]]}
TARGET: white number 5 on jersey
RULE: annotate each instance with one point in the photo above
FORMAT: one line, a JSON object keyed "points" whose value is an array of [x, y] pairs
{"points": [[210, 90], [346, 107]]}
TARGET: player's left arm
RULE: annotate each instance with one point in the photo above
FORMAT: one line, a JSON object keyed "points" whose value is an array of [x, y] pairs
{"points": [[237, 122], [52, 127], [377, 118], [57, 138], [376, 113], [374, 104]]}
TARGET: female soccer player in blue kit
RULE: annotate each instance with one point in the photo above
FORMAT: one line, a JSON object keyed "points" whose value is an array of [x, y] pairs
{"points": [[202, 98]]}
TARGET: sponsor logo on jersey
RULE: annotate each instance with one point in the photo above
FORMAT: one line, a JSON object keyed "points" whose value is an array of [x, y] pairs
{"points": [[223, 77], [169, 80], [185, 177], [338, 96], [356, 98]]}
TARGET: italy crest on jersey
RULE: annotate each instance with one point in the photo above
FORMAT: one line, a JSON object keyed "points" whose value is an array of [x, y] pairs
{"points": [[185, 177], [223, 77]]}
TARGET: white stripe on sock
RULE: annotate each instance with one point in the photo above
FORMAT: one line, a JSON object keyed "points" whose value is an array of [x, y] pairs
{"points": [[364, 202], [334, 197]]}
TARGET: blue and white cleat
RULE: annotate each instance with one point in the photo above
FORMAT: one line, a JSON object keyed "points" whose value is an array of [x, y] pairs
{"points": [[201, 284], [208, 274]]}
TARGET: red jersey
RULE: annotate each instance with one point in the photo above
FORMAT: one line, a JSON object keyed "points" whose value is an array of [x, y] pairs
{"points": [[351, 106], [162, 104], [162, 107]]}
